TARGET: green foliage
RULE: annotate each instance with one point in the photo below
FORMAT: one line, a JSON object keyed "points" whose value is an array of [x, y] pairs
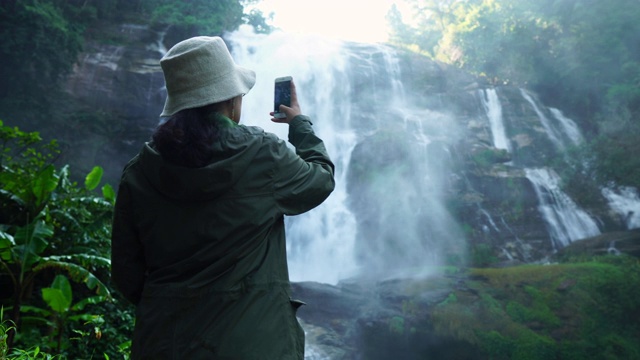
{"points": [[485, 158], [396, 325], [33, 353], [451, 299], [258, 21], [527, 346], [6, 326], [49, 224], [581, 310], [482, 255], [43, 40], [196, 17], [61, 310]]}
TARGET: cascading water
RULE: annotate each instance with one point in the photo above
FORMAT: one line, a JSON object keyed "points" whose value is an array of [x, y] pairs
{"points": [[493, 108], [570, 127], [565, 220], [353, 94], [321, 242], [550, 129], [626, 202]]}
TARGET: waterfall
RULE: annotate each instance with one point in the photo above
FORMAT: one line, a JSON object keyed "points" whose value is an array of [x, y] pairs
{"points": [[551, 131], [570, 127], [320, 242], [566, 221], [354, 96], [493, 108], [626, 202]]}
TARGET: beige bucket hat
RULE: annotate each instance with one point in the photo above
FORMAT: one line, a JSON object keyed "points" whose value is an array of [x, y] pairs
{"points": [[200, 71]]}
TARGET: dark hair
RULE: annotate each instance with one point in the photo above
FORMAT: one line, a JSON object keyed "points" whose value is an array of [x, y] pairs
{"points": [[186, 138]]}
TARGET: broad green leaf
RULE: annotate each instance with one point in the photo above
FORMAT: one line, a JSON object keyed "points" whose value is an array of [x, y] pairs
{"points": [[32, 240], [76, 272], [65, 182], [93, 178], [34, 310], [61, 283], [9, 196], [79, 306], [108, 193], [45, 183], [83, 317], [55, 299], [36, 321], [6, 244], [85, 260], [125, 345]]}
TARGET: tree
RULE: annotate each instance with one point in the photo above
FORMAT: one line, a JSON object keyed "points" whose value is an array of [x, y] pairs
{"points": [[196, 17], [40, 45]]}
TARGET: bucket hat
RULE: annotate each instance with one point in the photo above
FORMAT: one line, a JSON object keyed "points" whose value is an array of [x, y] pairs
{"points": [[200, 71]]}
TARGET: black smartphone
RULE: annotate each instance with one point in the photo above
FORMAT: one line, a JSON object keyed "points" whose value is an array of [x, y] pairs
{"points": [[282, 95]]}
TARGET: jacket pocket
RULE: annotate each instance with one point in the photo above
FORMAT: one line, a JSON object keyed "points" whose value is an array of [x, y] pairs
{"points": [[296, 304]]}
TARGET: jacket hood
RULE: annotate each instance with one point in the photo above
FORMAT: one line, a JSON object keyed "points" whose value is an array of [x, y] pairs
{"points": [[234, 151]]}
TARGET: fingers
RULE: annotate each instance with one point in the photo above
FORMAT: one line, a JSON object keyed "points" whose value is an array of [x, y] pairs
{"points": [[279, 120], [294, 95]]}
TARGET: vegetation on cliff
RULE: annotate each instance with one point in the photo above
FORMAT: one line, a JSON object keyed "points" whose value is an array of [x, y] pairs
{"points": [[583, 308]]}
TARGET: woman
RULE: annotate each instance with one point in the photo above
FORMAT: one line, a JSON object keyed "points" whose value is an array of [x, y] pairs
{"points": [[198, 240]]}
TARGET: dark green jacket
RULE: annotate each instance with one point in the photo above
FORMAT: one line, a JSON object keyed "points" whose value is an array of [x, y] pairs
{"points": [[201, 252]]}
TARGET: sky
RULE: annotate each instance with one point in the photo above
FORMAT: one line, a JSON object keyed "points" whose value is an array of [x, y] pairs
{"points": [[354, 20]]}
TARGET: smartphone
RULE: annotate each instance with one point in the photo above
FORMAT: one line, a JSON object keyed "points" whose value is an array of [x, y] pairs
{"points": [[282, 95]]}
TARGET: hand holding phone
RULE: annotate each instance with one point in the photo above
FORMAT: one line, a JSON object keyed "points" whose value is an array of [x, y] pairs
{"points": [[282, 95], [285, 95]]}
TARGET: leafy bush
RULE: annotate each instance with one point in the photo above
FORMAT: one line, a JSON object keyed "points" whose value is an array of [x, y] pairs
{"points": [[50, 226]]}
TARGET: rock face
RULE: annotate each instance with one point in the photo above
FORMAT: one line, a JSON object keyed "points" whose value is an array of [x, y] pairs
{"points": [[124, 83], [612, 243], [371, 321]]}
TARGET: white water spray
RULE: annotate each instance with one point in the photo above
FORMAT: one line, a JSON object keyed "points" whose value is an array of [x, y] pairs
{"points": [[553, 135], [353, 93], [569, 126], [566, 221], [626, 202], [320, 245]]}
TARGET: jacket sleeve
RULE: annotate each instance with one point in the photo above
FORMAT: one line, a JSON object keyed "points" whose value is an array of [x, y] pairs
{"points": [[128, 267], [305, 179]]}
